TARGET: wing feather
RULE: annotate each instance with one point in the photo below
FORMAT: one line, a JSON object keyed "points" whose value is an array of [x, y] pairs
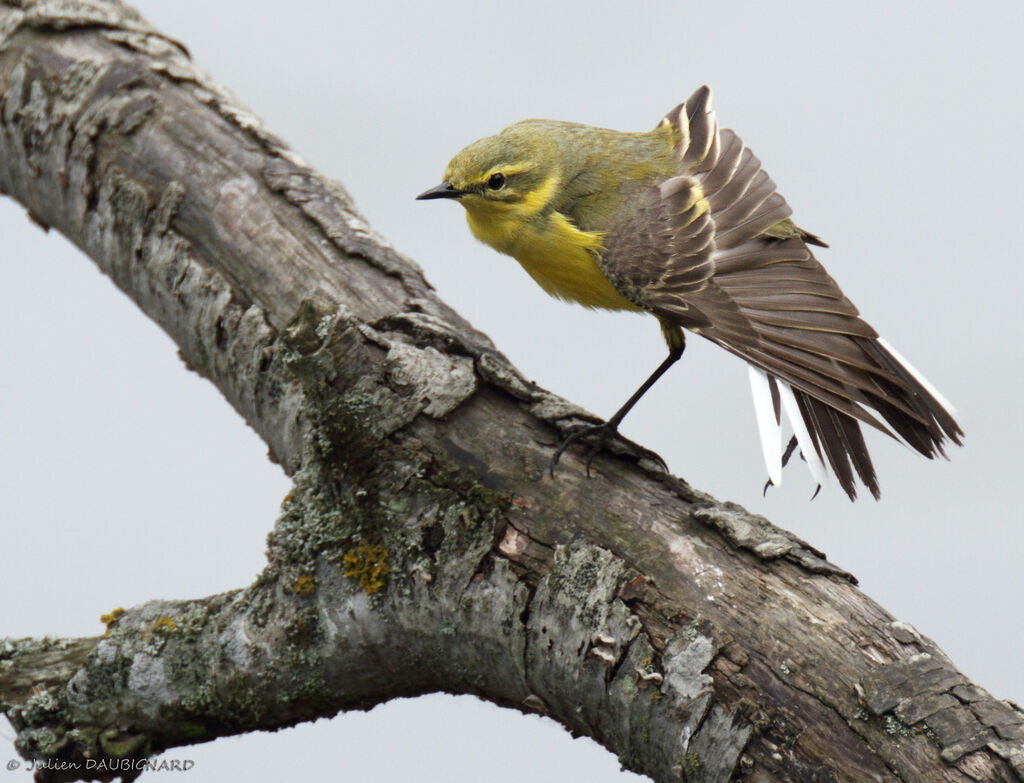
{"points": [[712, 249], [725, 168], [703, 135]]}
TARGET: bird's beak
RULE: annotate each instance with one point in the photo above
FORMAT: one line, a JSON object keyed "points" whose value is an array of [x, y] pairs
{"points": [[444, 190]]}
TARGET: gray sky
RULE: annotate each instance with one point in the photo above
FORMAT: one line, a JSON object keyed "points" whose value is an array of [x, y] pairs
{"points": [[895, 136]]}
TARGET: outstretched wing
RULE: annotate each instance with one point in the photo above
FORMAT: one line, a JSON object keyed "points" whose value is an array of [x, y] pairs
{"points": [[713, 250]]}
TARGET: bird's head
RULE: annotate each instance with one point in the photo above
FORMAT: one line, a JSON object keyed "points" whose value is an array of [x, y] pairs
{"points": [[512, 174]]}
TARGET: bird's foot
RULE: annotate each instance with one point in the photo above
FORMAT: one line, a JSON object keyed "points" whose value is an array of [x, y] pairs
{"points": [[601, 433], [599, 436], [790, 448]]}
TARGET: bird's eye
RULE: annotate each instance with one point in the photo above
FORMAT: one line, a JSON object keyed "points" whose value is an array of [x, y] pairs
{"points": [[496, 181]]}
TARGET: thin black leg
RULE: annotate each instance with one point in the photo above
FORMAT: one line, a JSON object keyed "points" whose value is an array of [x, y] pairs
{"points": [[604, 432]]}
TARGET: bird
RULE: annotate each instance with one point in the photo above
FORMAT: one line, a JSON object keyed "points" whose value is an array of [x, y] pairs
{"points": [[683, 223]]}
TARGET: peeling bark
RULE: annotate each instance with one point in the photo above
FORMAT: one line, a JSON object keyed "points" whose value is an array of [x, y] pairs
{"points": [[423, 547]]}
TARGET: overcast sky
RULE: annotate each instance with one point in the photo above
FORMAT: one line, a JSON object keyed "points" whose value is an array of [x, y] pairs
{"points": [[895, 136]]}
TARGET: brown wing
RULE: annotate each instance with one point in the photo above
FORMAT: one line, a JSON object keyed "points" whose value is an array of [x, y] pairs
{"points": [[713, 250]]}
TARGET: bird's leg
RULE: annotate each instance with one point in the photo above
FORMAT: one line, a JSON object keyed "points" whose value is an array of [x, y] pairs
{"points": [[603, 432], [790, 448]]}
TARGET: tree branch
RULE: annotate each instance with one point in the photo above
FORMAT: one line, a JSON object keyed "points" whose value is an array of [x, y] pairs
{"points": [[422, 548]]}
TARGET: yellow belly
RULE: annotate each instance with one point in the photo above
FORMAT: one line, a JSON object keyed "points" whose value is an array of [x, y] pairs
{"points": [[557, 255]]}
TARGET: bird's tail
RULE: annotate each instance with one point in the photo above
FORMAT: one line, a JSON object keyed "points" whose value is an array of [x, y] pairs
{"points": [[912, 408]]}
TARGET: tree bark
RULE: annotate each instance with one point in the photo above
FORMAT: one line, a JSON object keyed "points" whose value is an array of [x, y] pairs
{"points": [[423, 546]]}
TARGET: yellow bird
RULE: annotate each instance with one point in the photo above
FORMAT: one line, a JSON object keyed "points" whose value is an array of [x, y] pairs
{"points": [[683, 223]]}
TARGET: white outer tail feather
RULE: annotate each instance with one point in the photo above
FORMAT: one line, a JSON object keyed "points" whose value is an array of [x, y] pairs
{"points": [[767, 426], [803, 437], [771, 430]]}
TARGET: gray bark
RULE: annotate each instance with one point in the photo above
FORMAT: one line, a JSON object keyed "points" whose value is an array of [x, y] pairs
{"points": [[423, 547]]}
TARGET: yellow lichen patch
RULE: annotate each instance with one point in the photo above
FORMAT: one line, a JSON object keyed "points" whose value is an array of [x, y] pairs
{"points": [[165, 624], [367, 564], [304, 584], [693, 761], [111, 619]]}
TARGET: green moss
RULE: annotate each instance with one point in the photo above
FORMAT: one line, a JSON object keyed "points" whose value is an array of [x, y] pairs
{"points": [[303, 629], [312, 691], [446, 474], [242, 704], [84, 736], [190, 729], [235, 702], [120, 746]]}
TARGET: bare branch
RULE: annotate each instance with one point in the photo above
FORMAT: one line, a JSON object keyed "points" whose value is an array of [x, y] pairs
{"points": [[423, 547]]}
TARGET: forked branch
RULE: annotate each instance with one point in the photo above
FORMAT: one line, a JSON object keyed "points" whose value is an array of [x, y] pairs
{"points": [[423, 546]]}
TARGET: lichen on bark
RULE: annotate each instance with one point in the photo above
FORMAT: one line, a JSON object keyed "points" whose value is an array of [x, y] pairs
{"points": [[423, 546]]}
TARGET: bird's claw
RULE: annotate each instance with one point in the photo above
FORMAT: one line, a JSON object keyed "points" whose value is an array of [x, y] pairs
{"points": [[770, 483], [601, 434], [790, 448]]}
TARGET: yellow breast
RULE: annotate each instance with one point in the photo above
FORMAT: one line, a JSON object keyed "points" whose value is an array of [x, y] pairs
{"points": [[558, 256]]}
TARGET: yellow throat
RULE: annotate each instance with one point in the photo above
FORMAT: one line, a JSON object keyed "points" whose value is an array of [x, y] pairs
{"points": [[561, 258]]}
